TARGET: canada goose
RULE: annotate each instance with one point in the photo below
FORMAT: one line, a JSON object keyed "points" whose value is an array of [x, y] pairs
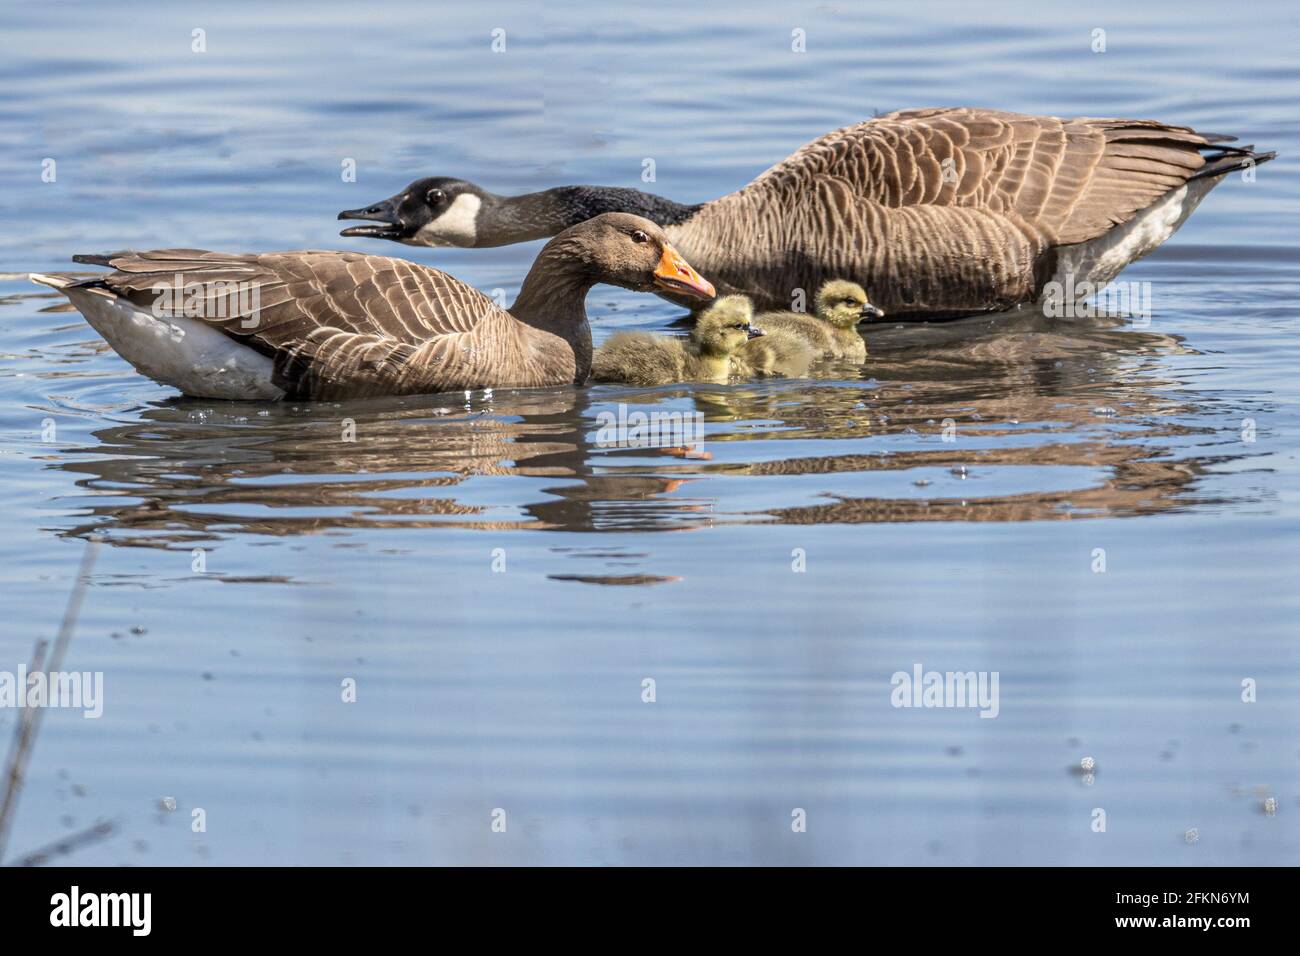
{"points": [[332, 325], [832, 331], [939, 212], [724, 344]]}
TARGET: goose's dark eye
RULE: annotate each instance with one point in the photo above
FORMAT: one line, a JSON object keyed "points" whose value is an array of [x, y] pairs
{"points": [[640, 236], [435, 196], [743, 328]]}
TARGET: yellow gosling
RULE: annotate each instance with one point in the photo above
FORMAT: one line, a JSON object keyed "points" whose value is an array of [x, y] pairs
{"points": [[831, 332]]}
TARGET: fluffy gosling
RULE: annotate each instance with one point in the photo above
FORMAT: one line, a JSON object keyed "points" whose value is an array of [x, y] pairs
{"points": [[777, 352], [719, 349], [641, 358], [832, 331]]}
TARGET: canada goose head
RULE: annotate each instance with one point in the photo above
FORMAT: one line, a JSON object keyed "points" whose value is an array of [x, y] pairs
{"points": [[725, 326], [625, 250], [444, 211], [844, 304], [436, 211]]}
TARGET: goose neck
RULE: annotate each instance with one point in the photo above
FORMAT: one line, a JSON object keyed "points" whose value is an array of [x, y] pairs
{"points": [[553, 300], [555, 290], [510, 219]]}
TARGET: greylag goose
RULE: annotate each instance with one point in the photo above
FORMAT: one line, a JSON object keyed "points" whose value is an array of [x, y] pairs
{"points": [[724, 344], [832, 330], [939, 212], [333, 325]]}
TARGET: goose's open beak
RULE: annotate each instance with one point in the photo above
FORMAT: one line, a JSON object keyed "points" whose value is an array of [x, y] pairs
{"points": [[384, 212], [674, 274], [870, 313]]}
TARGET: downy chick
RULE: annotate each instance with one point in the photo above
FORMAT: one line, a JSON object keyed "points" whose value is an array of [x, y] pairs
{"points": [[776, 352], [723, 345], [641, 358], [832, 331]]}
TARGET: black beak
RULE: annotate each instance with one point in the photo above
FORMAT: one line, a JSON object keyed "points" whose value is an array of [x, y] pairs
{"points": [[383, 212], [754, 331], [870, 313]]}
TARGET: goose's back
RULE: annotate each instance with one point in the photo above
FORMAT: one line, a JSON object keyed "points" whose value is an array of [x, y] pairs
{"points": [[939, 210], [1074, 178]]}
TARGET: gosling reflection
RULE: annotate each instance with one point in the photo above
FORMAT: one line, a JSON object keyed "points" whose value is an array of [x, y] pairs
{"points": [[1025, 393]]}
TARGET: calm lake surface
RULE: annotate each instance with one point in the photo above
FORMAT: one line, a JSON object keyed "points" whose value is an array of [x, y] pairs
{"points": [[499, 586]]}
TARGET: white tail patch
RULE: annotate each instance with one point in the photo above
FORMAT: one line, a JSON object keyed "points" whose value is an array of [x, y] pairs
{"points": [[1099, 260], [186, 354]]}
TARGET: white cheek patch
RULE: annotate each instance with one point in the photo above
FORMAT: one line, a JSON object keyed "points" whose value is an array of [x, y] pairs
{"points": [[458, 226]]}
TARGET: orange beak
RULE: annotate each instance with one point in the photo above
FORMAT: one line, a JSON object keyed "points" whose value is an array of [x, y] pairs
{"points": [[674, 274]]}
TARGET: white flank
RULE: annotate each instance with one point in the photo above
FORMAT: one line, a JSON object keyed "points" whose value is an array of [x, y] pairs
{"points": [[1100, 260]]}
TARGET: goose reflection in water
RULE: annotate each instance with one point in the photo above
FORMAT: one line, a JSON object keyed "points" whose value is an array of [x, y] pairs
{"points": [[1064, 398]]}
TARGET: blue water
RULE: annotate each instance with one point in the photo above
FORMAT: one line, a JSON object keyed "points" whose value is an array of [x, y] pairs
{"points": [[499, 586]]}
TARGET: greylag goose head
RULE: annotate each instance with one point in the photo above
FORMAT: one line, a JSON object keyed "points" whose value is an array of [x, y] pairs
{"points": [[625, 250]]}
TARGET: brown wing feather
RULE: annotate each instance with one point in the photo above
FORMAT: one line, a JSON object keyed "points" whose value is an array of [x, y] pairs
{"points": [[936, 210], [1073, 178]]}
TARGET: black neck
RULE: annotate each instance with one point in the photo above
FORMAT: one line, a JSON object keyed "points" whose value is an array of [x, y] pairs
{"points": [[504, 220]]}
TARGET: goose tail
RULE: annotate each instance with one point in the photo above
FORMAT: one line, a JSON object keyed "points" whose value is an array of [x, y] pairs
{"points": [[69, 283], [102, 259], [1221, 159], [54, 281]]}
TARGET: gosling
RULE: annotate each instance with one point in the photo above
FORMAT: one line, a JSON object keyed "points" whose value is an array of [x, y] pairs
{"points": [[839, 306], [719, 349], [777, 352]]}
